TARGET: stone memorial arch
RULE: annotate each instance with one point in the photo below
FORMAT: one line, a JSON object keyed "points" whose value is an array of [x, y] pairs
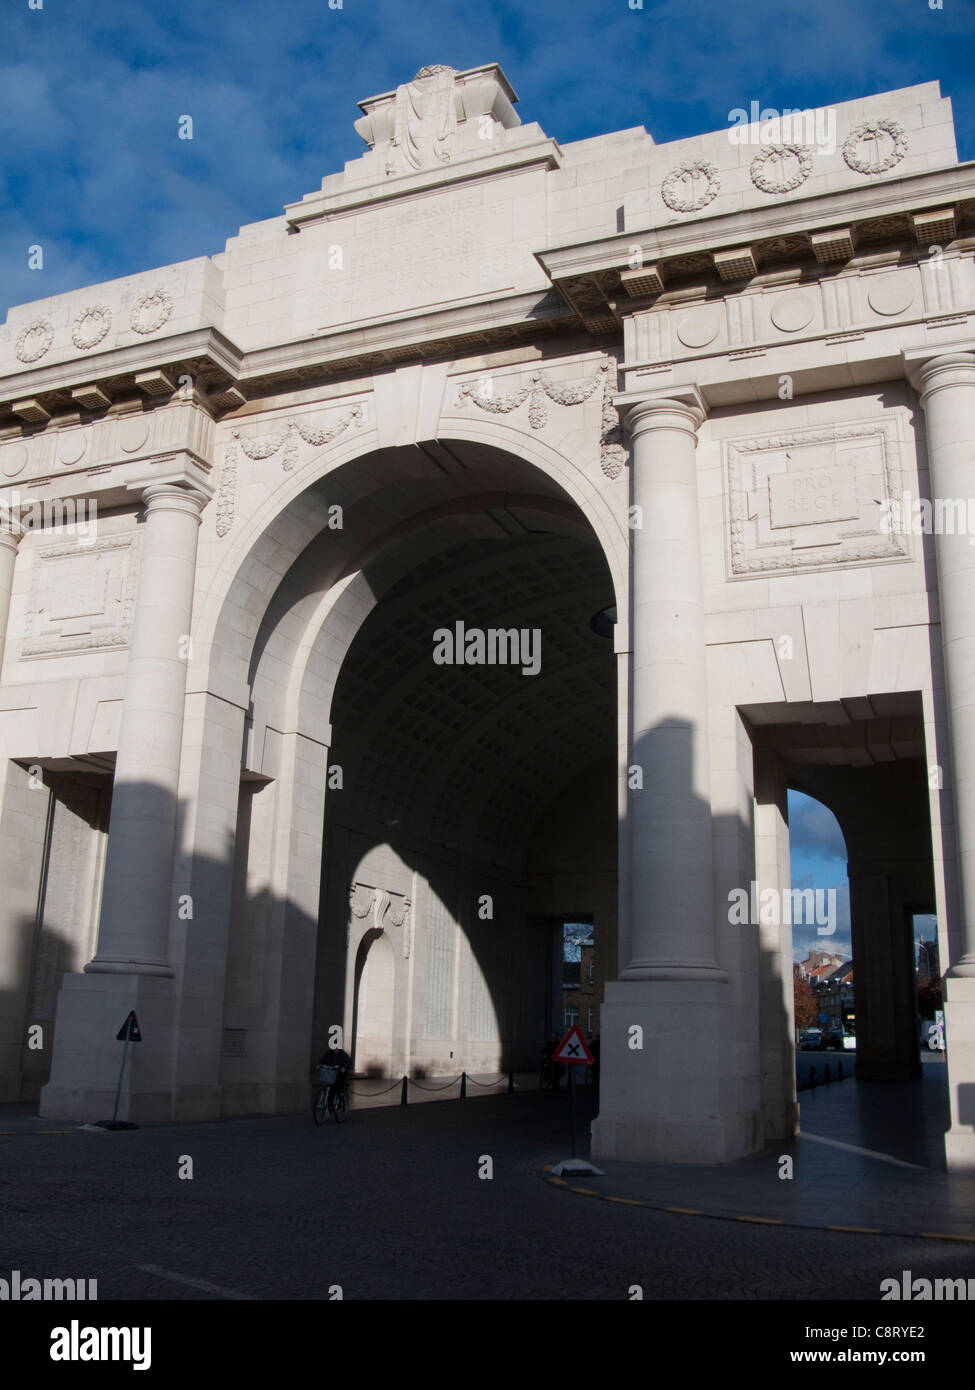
{"points": [[492, 540]]}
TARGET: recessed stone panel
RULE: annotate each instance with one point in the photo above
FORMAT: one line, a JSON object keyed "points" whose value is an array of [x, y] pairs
{"points": [[81, 596], [696, 330], [813, 498], [792, 312], [890, 294], [13, 459], [132, 434], [72, 446]]}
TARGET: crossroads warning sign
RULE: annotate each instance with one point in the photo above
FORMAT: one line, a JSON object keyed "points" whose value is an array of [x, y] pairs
{"points": [[573, 1049], [129, 1031]]}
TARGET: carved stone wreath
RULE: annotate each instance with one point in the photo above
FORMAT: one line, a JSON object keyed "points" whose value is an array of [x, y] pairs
{"points": [[767, 170], [870, 131], [680, 191], [34, 340], [151, 311], [91, 326]]}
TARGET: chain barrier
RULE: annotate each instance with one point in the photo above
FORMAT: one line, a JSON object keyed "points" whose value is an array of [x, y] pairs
{"points": [[357, 1091], [385, 1092], [421, 1087]]}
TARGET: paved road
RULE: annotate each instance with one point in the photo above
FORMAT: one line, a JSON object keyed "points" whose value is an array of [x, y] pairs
{"points": [[390, 1206]]}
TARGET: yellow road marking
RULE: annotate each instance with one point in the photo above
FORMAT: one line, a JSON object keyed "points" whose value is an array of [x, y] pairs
{"points": [[754, 1220]]}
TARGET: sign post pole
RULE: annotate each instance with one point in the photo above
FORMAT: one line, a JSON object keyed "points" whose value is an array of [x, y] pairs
{"points": [[129, 1032], [118, 1089]]}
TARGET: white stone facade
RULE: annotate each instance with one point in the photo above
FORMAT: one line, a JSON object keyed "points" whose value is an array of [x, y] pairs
{"points": [[482, 377]]}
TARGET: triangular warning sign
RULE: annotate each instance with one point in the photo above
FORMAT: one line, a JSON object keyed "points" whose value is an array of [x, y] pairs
{"points": [[129, 1029], [573, 1048]]}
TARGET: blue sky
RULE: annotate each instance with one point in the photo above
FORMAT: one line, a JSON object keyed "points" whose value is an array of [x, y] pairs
{"points": [[818, 858], [91, 92]]}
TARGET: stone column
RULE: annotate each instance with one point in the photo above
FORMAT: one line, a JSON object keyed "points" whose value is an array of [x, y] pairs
{"points": [[136, 903], [947, 389], [946, 385], [10, 538], [669, 818], [667, 1092], [780, 1110]]}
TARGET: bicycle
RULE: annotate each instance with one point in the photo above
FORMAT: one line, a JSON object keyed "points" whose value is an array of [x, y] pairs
{"points": [[550, 1074], [330, 1099]]}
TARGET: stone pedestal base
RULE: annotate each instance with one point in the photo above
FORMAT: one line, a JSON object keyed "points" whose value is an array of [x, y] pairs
{"points": [[686, 1095], [960, 1037], [85, 1065]]}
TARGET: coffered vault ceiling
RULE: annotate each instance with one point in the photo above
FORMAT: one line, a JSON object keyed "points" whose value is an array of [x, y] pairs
{"points": [[470, 756]]}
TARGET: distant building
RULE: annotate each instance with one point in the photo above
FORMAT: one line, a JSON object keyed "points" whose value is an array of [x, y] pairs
{"points": [[580, 993], [834, 988], [817, 965], [928, 963]]}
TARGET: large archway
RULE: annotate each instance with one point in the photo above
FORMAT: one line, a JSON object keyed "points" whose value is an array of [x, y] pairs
{"points": [[461, 802]]}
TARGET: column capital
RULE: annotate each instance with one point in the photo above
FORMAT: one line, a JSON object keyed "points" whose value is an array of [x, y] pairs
{"points": [[931, 373], [168, 497], [676, 408], [11, 532]]}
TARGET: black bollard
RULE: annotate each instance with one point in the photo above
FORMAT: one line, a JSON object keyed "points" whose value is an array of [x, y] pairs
{"points": [[511, 1083], [463, 1085], [812, 1078], [827, 1074], [406, 1082]]}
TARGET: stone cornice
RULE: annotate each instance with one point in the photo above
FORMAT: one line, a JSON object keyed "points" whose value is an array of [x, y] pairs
{"points": [[491, 319], [590, 275], [201, 344], [233, 375], [322, 206], [206, 354], [588, 295]]}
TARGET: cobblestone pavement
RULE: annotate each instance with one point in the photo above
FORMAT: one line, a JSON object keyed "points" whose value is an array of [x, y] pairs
{"points": [[390, 1206]]}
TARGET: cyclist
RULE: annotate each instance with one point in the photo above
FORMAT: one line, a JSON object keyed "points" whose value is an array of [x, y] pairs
{"points": [[339, 1059]]}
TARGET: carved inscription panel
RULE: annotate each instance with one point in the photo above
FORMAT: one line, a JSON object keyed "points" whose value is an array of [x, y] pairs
{"points": [[813, 498], [426, 252], [81, 597]]}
